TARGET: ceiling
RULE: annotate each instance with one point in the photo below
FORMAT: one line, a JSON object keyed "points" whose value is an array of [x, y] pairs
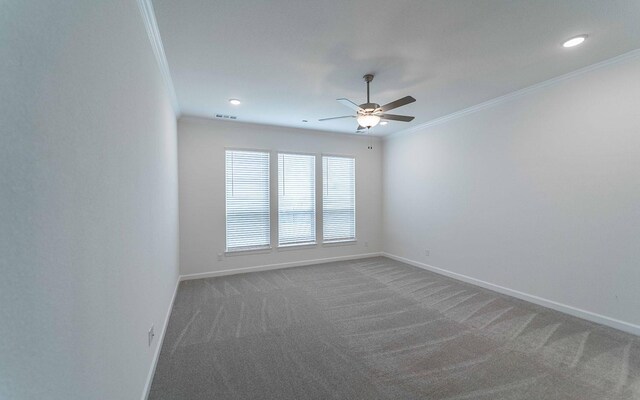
{"points": [[288, 61]]}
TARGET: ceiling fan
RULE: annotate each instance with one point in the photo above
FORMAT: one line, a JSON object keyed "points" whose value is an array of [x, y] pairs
{"points": [[369, 114]]}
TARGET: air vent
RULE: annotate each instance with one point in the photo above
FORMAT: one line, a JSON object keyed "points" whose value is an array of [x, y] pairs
{"points": [[222, 116]]}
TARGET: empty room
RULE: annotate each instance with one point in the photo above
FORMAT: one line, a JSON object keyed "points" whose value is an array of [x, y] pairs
{"points": [[300, 200]]}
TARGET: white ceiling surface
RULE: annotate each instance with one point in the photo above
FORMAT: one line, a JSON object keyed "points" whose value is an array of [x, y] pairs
{"points": [[288, 60]]}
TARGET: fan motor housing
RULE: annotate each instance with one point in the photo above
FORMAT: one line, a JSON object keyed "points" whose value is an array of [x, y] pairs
{"points": [[369, 107]]}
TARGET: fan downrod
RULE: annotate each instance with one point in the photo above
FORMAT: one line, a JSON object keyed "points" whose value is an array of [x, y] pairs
{"points": [[368, 105]]}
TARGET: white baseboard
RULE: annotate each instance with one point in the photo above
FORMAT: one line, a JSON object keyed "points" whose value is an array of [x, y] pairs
{"points": [[576, 312], [275, 266], [156, 354]]}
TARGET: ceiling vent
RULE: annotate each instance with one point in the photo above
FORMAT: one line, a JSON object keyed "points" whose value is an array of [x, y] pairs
{"points": [[222, 116]]}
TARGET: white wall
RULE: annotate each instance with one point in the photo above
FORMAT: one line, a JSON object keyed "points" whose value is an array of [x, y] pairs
{"points": [[201, 146], [539, 193], [88, 200]]}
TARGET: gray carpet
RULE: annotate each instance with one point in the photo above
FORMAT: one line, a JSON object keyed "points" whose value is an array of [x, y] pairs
{"points": [[380, 329]]}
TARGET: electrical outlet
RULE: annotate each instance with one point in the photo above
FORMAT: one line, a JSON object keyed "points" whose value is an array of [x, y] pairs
{"points": [[219, 256], [426, 252], [366, 244], [151, 335]]}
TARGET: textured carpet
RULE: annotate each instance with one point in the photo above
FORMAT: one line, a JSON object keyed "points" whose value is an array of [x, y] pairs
{"points": [[380, 329]]}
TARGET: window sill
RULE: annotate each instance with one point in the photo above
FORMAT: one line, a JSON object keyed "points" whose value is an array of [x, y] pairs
{"points": [[246, 252], [333, 243], [297, 246]]}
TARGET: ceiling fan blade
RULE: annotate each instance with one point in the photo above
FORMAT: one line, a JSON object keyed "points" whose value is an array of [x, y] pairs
{"points": [[350, 104], [393, 117], [361, 128], [398, 103], [345, 116]]}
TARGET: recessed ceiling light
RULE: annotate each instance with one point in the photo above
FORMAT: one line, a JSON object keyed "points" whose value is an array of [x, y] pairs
{"points": [[383, 123], [574, 41], [235, 102]]}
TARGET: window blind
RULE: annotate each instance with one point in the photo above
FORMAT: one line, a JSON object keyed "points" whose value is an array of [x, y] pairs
{"points": [[296, 199], [339, 198], [247, 200]]}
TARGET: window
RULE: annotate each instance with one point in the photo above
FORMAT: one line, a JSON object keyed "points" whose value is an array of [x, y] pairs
{"points": [[339, 198], [247, 200], [296, 199]]}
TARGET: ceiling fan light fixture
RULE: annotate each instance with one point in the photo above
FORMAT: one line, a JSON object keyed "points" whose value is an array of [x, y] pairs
{"points": [[368, 120], [369, 114]]}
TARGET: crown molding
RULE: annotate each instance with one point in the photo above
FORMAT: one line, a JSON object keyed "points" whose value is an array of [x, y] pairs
{"points": [[518, 93], [151, 25]]}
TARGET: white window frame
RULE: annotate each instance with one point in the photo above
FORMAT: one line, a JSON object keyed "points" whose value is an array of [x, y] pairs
{"points": [[339, 242], [274, 222], [257, 249], [318, 232]]}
